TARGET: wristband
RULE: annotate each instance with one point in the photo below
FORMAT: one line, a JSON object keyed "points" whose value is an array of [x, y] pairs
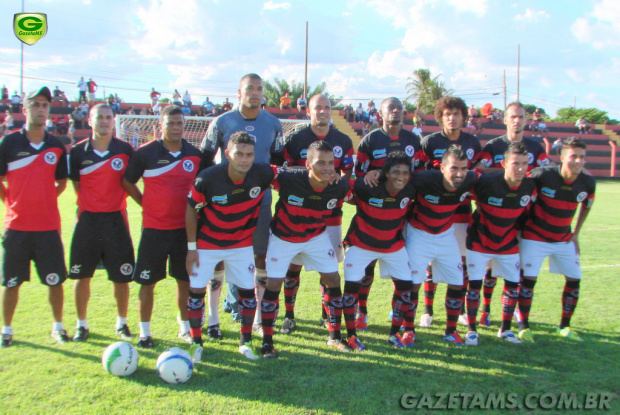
{"points": [[191, 246]]}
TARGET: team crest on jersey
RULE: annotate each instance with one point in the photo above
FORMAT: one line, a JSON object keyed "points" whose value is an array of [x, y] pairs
{"points": [[581, 197], [188, 166], [376, 202], [470, 153], [254, 192], [303, 154], [220, 200], [251, 268], [249, 128], [126, 269], [525, 200], [295, 200], [117, 164], [432, 199], [404, 202], [530, 159], [464, 196], [495, 201], [379, 154], [50, 157], [337, 151], [331, 253], [547, 191], [332, 203], [409, 151], [52, 279], [12, 282]]}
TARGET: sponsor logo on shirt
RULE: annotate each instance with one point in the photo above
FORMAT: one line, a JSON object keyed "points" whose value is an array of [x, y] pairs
{"points": [[379, 154], [547, 191], [497, 159], [432, 199], [145, 274], [163, 162], [23, 154], [438, 153], [303, 153], [249, 128], [295, 200], [75, 269], [221, 199], [12, 282], [373, 201], [495, 201]]}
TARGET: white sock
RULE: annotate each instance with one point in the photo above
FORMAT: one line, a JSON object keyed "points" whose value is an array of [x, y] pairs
{"points": [[7, 330], [120, 322], [145, 329], [183, 326], [57, 326], [214, 302], [82, 323]]}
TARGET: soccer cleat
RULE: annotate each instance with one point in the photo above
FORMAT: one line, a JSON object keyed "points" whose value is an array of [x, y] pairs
{"points": [[7, 340], [247, 351], [60, 336], [453, 338], [288, 326], [395, 342], [339, 344], [186, 337], [426, 321], [258, 329], [525, 335], [485, 319], [355, 344], [195, 351], [569, 334], [81, 335], [214, 333], [146, 342], [407, 338], [390, 315], [463, 320], [268, 352], [361, 322], [508, 336], [472, 338], [124, 333]]}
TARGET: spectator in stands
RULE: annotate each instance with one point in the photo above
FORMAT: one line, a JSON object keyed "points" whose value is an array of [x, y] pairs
{"points": [[92, 89], [207, 106], [556, 146], [5, 93], [156, 108], [78, 116], [417, 130], [359, 113], [187, 110], [154, 97], [3, 131], [582, 125], [16, 102], [263, 103], [82, 88], [285, 102], [9, 122], [187, 99], [301, 104], [56, 94], [114, 104], [71, 130], [176, 98], [49, 125], [472, 112], [226, 106]]}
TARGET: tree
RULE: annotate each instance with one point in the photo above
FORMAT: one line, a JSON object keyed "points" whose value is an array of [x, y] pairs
{"points": [[530, 108], [425, 90], [592, 115], [273, 91]]}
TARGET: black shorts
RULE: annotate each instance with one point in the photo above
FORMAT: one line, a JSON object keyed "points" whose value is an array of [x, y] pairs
{"points": [[44, 248], [101, 237], [156, 247]]}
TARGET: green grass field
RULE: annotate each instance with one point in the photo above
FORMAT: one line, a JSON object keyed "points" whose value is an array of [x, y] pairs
{"points": [[39, 376]]}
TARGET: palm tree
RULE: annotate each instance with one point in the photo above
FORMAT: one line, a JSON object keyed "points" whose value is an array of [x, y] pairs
{"points": [[425, 90], [273, 91]]}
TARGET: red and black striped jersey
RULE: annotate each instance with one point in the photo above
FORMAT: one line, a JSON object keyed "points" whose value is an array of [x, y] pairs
{"points": [[228, 210], [297, 143], [31, 172], [556, 203], [378, 223], [167, 180], [301, 211], [493, 153], [377, 144], [100, 175], [434, 210], [499, 212]]}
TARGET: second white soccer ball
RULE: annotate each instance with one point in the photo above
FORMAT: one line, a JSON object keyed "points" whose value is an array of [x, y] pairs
{"points": [[174, 366]]}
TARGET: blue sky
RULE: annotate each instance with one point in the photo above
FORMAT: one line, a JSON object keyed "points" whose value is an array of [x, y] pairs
{"points": [[570, 49]]}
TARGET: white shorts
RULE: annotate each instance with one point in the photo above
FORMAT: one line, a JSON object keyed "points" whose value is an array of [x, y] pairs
{"points": [[505, 266], [239, 264], [563, 258], [316, 254], [460, 231], [441, 251], [391, 264], [334, 233]]}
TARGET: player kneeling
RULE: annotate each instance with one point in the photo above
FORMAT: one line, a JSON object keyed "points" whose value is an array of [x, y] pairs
{"points": [[375, 234], [227, 197]]}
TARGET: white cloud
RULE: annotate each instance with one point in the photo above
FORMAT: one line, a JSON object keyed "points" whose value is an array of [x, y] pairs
{"points": [[574, 75], [476, 7], [284, 44], [601, 27], [272, 5], [393, 63], [532, 15]]}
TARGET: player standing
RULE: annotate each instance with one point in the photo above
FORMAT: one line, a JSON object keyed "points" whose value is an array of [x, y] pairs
{"points": [[98, 164], [34, 165], [168, 168]]}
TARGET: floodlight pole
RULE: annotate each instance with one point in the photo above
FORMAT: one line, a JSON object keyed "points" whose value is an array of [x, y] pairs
{"points": [[518, 71], [306, 66]]}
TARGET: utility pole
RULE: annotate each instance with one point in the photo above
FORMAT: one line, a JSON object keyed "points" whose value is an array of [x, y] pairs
{"points": [[518, 71], [306, 67]]}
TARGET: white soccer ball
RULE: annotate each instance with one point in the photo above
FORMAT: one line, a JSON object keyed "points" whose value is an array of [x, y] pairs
{"points": [[174, 366], [120, 359]]}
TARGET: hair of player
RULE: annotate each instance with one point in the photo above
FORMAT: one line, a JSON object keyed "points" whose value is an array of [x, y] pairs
{"points": [[395, 159], [573, 142], [454, 151], [319, 96], [251, 76], [388, 99], [317, 146], [97, 107], [516, 104], [516, 148], [241, 137], [448, 103], [171, 110]]}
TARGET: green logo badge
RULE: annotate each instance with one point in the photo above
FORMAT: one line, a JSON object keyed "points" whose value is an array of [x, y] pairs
{"points": [[30, 27]]}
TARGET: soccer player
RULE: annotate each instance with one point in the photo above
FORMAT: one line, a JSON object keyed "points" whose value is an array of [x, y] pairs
{"points": [[98, 164], [167, 168], [371, 155], [295, 154], [450, 113], [490, 159], [266, 130], [375, 234], [547, 231], [227, 197], [298, 228], [502, 199], [431, 234], [34, 165]]}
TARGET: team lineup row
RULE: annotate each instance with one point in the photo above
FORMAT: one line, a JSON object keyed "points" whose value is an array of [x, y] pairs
{"points": [[404, 220]]}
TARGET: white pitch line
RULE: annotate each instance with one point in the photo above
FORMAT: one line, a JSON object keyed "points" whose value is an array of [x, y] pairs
{"points": [[601, 266]]}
